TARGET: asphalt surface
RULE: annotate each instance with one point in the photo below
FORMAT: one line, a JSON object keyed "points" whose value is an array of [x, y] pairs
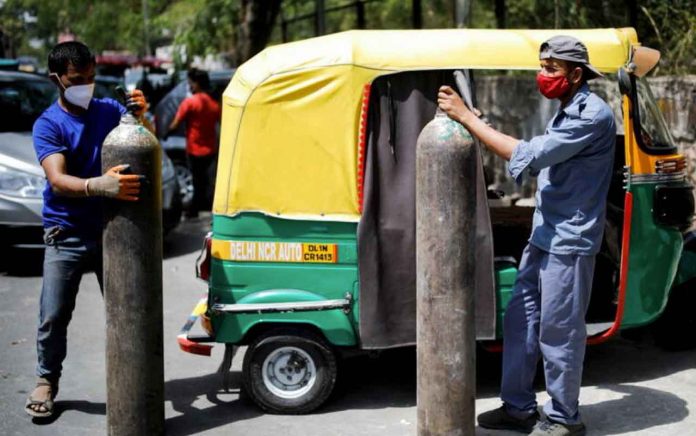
{"points": [[630, 386]]}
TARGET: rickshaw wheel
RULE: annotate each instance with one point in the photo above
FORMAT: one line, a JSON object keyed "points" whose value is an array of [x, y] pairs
{"points": [[289, 371], [675, 330]]}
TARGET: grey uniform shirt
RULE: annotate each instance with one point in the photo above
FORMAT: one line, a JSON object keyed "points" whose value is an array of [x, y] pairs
{"points": [[573, 160]]}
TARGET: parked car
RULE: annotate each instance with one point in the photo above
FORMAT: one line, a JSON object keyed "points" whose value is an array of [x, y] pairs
{"points": [[105, 86], [175, 144], [23, 97]]}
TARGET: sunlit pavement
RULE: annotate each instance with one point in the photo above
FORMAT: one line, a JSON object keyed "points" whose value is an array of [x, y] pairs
{"points": [[630, 387]]}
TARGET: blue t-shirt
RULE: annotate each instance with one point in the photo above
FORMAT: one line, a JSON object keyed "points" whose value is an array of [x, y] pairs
{"points": [[79, 138]]}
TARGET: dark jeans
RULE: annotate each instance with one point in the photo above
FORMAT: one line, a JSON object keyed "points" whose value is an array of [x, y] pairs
{"points": [[203, 172], [66, 258]]}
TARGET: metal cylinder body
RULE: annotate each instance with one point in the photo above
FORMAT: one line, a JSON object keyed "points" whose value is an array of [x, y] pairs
{"points": [[132, 242], [445, 259]]}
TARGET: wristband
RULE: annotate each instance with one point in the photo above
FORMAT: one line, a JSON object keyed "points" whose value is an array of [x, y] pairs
{"points": [[87, 188]]}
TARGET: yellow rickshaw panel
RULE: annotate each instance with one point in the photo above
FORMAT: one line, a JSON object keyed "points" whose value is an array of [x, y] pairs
{"points": [[291, 114]]}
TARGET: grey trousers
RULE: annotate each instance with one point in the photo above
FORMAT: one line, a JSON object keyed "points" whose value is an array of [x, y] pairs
{"points": [[546, 318]]}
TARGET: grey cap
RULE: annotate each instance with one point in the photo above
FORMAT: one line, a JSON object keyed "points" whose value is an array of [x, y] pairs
{"points": [[571, 49]]}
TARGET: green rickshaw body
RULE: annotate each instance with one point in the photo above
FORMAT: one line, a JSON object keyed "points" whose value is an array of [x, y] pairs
{"points": [[269, 282], [653, 260]]}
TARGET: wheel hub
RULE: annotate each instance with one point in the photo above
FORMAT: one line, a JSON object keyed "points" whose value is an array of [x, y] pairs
{"points": [[289, 372]]}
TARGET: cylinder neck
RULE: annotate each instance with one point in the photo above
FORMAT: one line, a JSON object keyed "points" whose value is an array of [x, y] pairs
{"points": [[129, 118]]}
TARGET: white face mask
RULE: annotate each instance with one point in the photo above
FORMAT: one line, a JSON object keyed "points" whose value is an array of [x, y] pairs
{"points": [[79, 95]]}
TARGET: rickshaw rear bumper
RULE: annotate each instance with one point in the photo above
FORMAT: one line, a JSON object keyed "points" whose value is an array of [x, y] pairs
{"points": [[194, 344], [191, 343]]}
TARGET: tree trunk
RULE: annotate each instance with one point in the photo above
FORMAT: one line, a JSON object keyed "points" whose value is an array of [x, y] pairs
{"points": [[417, 14], [320, 17], [462, 13], [360, 14], [500, 13], [2, 44], [632, 8], [257, 18]]}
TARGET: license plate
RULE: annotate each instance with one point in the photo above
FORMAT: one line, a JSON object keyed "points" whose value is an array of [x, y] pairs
{"points": [[262, 251]]}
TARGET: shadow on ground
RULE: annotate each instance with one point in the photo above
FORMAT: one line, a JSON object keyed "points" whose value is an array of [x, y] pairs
{"points": [[227, 405], [21, 262], [187, 237], [640, 408], [61, 407], [388, 380]]}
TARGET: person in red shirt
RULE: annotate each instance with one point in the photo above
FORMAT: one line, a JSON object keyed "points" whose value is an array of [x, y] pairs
{"points": [[202, 114]]}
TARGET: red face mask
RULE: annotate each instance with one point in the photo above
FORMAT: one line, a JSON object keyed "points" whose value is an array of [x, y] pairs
{"points": [[552, 87]]}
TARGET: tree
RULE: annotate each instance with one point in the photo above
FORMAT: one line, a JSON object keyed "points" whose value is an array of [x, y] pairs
{"points": [[241, 28], [256, 24], [236, 28], [417, 14], [500, 10]]}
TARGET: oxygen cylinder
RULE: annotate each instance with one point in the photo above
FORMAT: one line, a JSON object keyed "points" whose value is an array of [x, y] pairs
{"points": [[445, 260], [132, 246]]}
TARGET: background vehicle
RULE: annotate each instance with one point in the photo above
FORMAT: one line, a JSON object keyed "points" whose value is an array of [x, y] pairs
{"points": [[23, 97], [9, 64], [312, 252], [175, 144], [105, 86]]}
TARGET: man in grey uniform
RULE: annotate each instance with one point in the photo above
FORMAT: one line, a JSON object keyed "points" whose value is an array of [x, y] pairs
{"points": [[573, 161]]}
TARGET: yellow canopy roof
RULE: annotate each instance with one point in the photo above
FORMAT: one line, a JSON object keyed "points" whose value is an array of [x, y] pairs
{"points": [[291, 114]]}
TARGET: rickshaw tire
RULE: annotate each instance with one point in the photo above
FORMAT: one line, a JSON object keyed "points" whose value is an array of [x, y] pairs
{"points": [[319, 350], [675, 330]]}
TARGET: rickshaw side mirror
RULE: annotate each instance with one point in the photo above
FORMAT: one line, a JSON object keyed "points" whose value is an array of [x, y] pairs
{"points": [[643, 59], [625, 85]]}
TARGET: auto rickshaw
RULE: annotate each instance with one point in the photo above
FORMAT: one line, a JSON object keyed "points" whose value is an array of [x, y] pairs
{"points": [[312, 252]]}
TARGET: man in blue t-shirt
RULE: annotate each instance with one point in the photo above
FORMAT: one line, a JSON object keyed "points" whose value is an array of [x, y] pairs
{"points": [[68, 138]]}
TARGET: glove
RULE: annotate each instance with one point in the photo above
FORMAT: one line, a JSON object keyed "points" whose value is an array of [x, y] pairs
{"points": [[113, 184], [137, 103]]}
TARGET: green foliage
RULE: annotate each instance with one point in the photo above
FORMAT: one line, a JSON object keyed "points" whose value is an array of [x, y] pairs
{"points": [[202, 26], [212, 26], [667, 25], [670, 26], [101, 24]]}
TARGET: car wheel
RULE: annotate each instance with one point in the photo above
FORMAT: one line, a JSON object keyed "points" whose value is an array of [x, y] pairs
{"points": [[676, 328], [289, 372], [185, 179], [171, 217]]}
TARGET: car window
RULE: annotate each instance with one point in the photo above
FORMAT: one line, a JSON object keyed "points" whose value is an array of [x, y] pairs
{"points": [[22, 101]]}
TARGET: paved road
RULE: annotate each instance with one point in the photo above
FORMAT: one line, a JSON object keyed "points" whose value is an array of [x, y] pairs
{"points": [[630, 387]]}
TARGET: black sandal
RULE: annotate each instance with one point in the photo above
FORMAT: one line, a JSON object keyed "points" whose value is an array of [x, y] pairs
{"points": [[47, 404]]}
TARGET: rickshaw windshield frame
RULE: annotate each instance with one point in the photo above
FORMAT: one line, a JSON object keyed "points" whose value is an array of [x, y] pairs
{"points": [[650, 127]]}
